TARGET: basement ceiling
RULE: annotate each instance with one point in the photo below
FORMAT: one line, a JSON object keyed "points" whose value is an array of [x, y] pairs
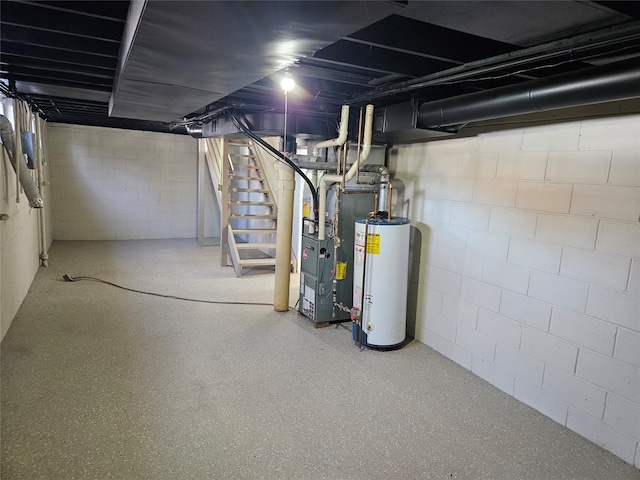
{"points": [[149, 65]]}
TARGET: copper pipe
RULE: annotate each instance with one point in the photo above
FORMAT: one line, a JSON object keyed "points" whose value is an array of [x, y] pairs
{"points": [[364, 273], [336, 240], [358, 182], [358, 192]]}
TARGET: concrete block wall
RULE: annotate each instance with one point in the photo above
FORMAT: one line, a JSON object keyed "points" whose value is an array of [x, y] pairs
{"points": [[529, 272], [19, 238], [114, 184], [19, 247]]}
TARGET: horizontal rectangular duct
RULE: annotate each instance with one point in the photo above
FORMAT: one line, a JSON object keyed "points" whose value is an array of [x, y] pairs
{"points": [[270, 124], [399, 124]]}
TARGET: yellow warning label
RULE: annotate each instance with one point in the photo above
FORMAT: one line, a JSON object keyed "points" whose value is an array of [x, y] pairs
{"points": [[341, 270], [306, 209], [373, 243]]}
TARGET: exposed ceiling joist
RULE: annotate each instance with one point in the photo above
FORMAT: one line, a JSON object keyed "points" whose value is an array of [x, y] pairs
{"points": [[183, 58]]}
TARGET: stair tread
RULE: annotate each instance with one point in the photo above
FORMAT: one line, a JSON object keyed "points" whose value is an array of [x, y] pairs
{"points": [[233, 176], [256, 246], [251, 190], [252, 216], [257, 261], [253, 231], [244, 202], [244, 155], [244, 165]]}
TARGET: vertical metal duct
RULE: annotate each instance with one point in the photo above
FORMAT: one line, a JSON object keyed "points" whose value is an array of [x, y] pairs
{"points": [[619, 81], [29, 186]]}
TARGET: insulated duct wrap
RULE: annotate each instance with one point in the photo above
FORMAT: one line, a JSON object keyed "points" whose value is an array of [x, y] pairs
{"points": [[619, 81], [8, 140]]}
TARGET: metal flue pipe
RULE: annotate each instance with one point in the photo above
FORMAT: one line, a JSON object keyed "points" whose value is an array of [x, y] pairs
{"points": [[384, 186], [619, 81], [10, 145]]}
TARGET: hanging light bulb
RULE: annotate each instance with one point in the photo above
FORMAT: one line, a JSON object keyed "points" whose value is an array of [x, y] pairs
{"points": [[287, 83]]}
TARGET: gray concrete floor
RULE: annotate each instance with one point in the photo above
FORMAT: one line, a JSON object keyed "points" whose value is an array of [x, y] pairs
{"points": [[102, 383]]}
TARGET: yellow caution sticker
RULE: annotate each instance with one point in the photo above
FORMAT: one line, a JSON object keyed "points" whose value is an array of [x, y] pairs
{"points": [[373, 243], [341, 270], [306, 209]]}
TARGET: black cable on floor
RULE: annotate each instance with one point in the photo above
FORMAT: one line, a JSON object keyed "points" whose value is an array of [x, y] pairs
{"points": [[69, 278]]}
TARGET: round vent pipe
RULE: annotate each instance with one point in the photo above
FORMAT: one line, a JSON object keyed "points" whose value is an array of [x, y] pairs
{"points": [[619, 81], [9, 141]]}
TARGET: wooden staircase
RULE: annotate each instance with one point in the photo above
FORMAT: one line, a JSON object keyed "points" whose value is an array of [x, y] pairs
{"points": [[250, 210]]}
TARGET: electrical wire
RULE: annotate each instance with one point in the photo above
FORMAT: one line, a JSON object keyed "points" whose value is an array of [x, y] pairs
{"points": [[277, 154], [532, 69], [69, 278]]}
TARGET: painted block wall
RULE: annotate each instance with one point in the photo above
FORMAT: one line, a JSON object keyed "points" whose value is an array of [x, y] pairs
{"points": [[114, 184], [529, 266], [19, 243], [19, 248]]}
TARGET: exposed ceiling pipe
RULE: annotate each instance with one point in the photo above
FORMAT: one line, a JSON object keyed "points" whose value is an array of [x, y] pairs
{"points": [[342, 136], [366, 148], [576, 48], [194, 130], [619, 81]]}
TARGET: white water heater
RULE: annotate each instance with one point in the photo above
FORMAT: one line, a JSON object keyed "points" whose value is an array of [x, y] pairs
{"points": [[380, 278]]}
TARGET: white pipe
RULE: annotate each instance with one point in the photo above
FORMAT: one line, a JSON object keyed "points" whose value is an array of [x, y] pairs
{"points": [[17, 119], [322, 193], [342, 136], [312, 214], [286, 186], [44, 255]]}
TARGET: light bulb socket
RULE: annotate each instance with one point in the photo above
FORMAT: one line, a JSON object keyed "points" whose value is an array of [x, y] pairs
{"points": [[287, 83]]}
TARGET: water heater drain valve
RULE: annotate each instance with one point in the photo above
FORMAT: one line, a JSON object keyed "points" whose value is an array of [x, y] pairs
{"points": [[355, 315]]}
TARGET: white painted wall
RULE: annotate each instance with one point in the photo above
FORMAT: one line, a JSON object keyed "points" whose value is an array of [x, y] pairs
{"points": [[529, 266], [19, 248], [114, 184], [529, 269], [19, 241]]}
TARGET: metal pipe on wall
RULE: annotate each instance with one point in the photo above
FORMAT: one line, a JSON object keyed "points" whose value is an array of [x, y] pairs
{"points": [[44, 255], [17, 147], [364, 277], [13, 149], [385, 184]]}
